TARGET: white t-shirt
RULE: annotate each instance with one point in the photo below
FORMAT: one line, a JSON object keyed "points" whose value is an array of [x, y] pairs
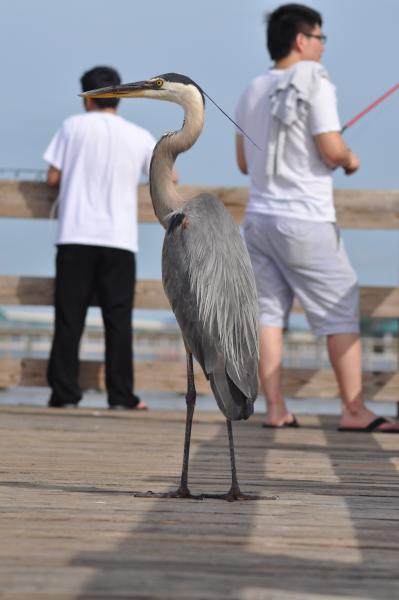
{"points": [[102, 157], [305, 191]]}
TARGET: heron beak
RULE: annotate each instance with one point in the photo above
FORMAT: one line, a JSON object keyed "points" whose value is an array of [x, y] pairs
{"points": [[126, 90]]}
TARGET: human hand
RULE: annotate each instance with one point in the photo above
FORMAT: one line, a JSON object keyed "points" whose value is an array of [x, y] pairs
{"points": [[352, 164]]}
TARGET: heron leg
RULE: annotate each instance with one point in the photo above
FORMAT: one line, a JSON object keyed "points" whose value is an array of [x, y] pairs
{"points": [[234, 492], [235, 489], [191, 396], [183, 490]]}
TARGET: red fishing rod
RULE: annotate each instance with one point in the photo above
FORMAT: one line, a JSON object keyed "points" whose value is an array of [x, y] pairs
{"points": [[370, 107]]}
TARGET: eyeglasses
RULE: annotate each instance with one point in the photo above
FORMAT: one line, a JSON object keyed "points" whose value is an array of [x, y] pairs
{"points": [[322, 38]]}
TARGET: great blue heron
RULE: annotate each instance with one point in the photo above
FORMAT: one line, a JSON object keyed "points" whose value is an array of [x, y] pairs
{"points": [[206, 272]]}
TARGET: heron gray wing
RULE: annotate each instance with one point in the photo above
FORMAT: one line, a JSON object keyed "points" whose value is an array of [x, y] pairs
{"points": [[183, 300], [210, 284]]}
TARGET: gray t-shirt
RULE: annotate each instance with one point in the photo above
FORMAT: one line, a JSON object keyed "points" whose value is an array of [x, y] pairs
{"points": [[305, 189]]}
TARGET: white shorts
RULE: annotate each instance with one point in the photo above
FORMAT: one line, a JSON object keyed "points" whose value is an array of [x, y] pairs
{"points": [[306, 259]]}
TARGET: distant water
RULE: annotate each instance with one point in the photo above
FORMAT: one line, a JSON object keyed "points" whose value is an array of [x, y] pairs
{"points": [[170, 401]]}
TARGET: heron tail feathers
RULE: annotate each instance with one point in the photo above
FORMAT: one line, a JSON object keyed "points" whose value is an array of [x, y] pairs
{"points": [[231, 401]]}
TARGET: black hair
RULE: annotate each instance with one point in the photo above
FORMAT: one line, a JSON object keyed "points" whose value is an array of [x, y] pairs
{"points": [[284, 24], [101, 77]]}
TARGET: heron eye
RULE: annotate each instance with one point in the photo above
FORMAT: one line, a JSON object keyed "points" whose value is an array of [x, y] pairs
{"points": [[159, 83]]}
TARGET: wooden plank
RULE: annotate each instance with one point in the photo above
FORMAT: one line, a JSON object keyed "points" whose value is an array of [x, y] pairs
{"points": [[71, 528], [170, 376], [155, 375], [379, 302], [33, 199], [367, 209], [15, 290], [26, 199], [357, 209], [374, 301], [39, 291]]}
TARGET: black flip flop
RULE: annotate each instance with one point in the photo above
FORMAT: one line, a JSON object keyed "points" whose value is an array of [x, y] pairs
{"points": [[371, 427], [293, 423]]}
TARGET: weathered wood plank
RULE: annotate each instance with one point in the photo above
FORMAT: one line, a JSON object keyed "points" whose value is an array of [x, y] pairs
{"points": [[32, 199], [39, 291], [357, 209], [367, 209], [26, 199], [374, 301], [71, 528], [154, 375], [170, 376]]}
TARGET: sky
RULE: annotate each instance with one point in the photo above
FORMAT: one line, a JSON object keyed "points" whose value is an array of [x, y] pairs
{"points": [[45, 46]]}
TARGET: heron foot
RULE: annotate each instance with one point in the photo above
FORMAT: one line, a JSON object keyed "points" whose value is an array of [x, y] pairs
{"points": [[236, 495], [179, 493], [230, 496]]}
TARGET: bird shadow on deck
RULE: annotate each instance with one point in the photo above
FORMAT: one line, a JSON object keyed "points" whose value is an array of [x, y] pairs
{"points": [[332, 531]]}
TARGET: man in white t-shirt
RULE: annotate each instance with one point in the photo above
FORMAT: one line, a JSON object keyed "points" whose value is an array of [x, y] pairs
{"points": [[290, 227], [96, 159]]}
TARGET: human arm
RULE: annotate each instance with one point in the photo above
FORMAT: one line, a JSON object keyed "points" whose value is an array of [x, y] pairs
{"points": [[325, 128], [53, 176], [55, 155], [240, 154], [335, 153]]}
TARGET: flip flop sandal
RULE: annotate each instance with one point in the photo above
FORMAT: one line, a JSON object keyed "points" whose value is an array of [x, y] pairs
{"points": [[371, 427], [293, 423]]}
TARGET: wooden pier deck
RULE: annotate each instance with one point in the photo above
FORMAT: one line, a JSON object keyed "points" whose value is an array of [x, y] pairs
{"points": [[70, 528]]}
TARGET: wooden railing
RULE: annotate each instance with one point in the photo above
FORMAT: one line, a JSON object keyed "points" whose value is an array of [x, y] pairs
{"points": [[368, 209]]}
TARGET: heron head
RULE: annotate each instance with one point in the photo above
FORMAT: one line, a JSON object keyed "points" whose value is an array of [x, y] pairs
{"points": [[170, 86]]}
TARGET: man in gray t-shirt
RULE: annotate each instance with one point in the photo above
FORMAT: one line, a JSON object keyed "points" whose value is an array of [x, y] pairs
{"points": [[290, 228]]}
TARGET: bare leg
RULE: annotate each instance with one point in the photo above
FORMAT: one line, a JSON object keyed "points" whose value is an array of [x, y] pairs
{"points": [[271, 356], [346, 358]]}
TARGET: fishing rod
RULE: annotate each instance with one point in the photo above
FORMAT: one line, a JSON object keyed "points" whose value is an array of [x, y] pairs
{"points": [[370, 107]]}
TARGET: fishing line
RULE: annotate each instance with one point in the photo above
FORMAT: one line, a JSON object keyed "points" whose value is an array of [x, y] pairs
{"points": [[232, 120]]}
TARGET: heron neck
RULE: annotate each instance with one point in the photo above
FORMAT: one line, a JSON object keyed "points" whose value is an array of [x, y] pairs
{"points": [[164, 195]]}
